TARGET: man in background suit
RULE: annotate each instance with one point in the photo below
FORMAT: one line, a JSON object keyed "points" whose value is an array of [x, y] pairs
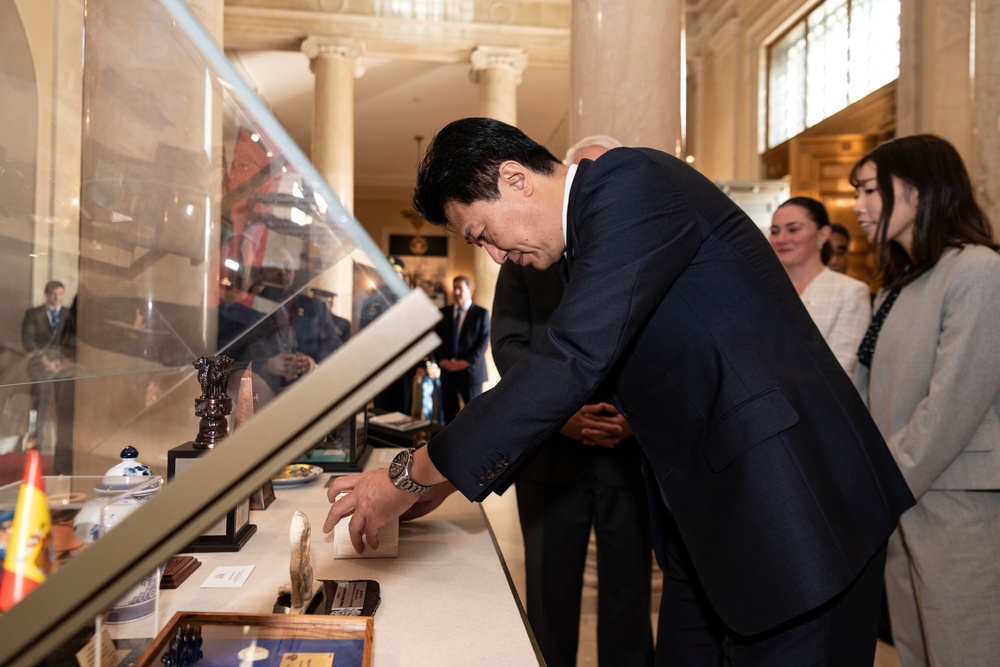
{"points": [[464, 329], [772, 493], [587, 475], [48, 334]]}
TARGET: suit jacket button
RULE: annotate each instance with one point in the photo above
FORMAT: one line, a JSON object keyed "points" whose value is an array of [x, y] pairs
{"points": [[481, 481], [627, 412]]}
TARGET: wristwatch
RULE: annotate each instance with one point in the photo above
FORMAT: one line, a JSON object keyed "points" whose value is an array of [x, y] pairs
{"points": [[399, 473]]}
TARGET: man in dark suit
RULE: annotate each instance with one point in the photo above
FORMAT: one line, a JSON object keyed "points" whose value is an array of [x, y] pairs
{"points": [[586, 475], [464, 330], [772, 492], [48, 334]]}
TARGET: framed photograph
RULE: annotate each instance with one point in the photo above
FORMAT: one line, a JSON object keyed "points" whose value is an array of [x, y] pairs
{"points": [[214, 639]]}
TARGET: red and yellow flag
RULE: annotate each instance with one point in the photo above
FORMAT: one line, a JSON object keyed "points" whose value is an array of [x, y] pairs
{"points": [[29, 550]]}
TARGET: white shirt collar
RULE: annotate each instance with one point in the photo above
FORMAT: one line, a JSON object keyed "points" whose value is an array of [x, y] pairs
{"points": [[569, 184]]}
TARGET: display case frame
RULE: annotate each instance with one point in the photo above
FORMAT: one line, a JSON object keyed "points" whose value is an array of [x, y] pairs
{"points": [[182, 510], [300, 633], [134, 262]]}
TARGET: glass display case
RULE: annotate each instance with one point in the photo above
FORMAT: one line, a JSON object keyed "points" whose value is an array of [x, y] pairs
{"points": [[154, 212]]}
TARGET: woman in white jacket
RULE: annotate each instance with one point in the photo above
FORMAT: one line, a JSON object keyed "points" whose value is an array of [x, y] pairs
{"points": [[931, 372], [838, 304]]}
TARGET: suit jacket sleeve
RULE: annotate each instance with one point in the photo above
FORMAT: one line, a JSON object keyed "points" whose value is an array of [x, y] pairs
{"points": [[510, 330], [634, 229]]}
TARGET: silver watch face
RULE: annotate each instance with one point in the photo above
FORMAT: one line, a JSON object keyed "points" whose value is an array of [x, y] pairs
{"points": [[398, 465]]}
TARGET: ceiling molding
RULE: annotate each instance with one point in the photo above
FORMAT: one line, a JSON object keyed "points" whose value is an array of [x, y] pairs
{"points": [[398, 39]]}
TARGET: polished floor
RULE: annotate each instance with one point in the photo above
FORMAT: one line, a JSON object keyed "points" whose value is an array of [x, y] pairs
{"points": [[502, 513]]}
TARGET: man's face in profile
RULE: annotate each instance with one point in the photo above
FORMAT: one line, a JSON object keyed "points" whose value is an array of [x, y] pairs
{"points": [[522, 225]]}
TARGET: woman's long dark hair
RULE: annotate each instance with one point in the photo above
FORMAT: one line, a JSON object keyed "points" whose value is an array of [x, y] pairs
{"points": [[947, 212]]}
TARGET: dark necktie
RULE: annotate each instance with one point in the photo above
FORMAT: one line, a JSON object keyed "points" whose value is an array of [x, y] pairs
{"points": [[54, 319], [458, 330]]}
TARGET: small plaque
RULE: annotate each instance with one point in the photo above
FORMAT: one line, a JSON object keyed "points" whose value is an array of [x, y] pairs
{"points": [[307, 660]]}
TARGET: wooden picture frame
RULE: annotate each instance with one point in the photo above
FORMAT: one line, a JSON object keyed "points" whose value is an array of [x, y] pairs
{"points": [[223, 636]]}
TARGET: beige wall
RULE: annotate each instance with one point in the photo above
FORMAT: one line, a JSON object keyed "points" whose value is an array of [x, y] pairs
{"points": [[379, 210]]}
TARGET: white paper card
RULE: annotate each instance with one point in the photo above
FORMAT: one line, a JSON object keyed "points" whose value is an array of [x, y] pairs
{"points": [[233, 576]]}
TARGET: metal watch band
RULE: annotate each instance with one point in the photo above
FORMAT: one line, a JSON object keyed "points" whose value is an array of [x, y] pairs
{"points": [[408, 485]]}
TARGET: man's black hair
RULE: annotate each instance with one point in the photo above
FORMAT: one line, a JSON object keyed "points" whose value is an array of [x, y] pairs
{"points": [[462, 164]]}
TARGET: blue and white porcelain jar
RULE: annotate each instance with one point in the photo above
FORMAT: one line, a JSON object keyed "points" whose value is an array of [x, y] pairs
{"points": [[129, 466], [104, 513]]}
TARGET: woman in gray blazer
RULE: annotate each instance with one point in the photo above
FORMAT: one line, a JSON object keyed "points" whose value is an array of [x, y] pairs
{"points": [[931, 373]]}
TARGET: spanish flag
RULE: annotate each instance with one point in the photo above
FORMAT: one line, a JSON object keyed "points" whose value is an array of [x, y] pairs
{"points": [[29, 550]]}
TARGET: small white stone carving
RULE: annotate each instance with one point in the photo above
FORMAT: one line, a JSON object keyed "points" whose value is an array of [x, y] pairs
{"points": [[300, 566]]}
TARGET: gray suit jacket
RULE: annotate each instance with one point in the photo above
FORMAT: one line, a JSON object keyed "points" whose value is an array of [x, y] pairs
{"points": [[934, 383]]}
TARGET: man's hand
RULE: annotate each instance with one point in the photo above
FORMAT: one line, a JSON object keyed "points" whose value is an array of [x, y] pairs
{"points": [[454, 365], [290, 365], [371, 500], [597, 424], [429, 501]]}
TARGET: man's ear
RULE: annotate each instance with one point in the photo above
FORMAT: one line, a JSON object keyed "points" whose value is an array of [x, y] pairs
{"points": [[513, 175]]}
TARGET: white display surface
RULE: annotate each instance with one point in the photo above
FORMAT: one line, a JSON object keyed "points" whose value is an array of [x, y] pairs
{"points": [[446, 599]]}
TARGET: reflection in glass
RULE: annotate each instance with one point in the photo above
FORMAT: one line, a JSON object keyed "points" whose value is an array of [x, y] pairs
{"points": [[179, 220]]}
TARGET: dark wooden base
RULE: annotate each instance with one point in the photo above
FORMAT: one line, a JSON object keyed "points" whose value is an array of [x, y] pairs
{"points": [[177, 570], [221, 543]]}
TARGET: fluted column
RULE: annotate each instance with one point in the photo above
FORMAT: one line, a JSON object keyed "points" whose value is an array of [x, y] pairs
{"points": [[335, 63], [625, 72], [498, 72]]}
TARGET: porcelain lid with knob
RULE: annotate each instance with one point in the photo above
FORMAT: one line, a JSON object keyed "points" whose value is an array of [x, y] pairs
{"points": [[126, 474]]}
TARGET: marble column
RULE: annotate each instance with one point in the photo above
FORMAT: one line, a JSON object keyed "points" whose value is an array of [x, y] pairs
{"points": [[335, 62], [948, 69], [986, 96], [498, 72], [934, 93], [626, 71]]}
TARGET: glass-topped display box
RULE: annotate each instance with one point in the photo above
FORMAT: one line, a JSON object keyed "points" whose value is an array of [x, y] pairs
{"points": [[152, 212]]}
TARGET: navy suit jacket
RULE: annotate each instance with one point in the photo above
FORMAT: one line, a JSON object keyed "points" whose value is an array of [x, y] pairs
{"points": [[779, 481], [522, 304], [473, 339]]}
